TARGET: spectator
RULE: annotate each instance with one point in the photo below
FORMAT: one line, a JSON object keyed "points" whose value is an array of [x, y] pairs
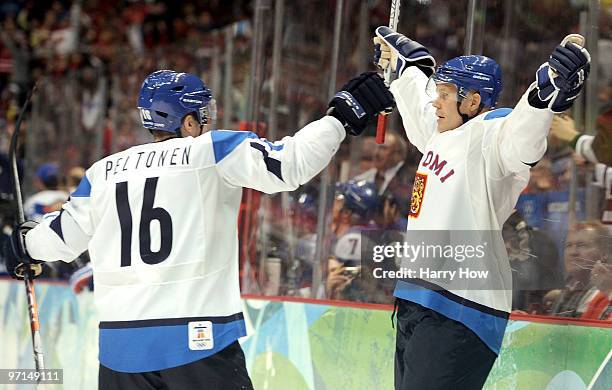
{"points": [[388, 163], [16, 43], [392, 213], [368, 150], [594, 149], [48, 198], [542, 178], [534, 261], [588, 274], [349, 278], [354, 208]]}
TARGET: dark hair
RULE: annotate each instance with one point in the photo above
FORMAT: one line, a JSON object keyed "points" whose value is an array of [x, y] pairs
{"points": [[160, 133]]}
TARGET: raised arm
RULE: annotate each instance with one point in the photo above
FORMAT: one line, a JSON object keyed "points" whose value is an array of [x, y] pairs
{"points": [[244, 160], [415, 107], [413, 64], [522, 139]]}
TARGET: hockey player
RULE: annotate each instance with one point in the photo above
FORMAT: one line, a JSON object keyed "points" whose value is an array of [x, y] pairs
{"points": [[356, 203], [160, 223], [49, 198], [476, 161]]}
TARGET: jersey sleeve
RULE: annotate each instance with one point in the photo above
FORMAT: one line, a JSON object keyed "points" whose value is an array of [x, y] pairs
{"points": [[584, 148], [244, 160], [415, 107], [65, 234], [520, 142]]}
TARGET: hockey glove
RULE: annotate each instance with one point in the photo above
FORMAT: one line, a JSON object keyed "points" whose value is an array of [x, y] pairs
{"points": [[359, 102], [560, 80], [16, 256], [395, 50]]}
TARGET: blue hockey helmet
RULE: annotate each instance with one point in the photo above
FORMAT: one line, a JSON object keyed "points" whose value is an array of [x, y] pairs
{"points": [[307, 203], [360, 197], [166, 97], [48, 174], [472, 73]]}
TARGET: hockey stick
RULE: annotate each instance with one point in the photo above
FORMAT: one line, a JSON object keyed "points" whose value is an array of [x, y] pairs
{"points": [[28, 269], [381, 127]]}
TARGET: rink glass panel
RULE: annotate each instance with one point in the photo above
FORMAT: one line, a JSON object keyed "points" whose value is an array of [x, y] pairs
{"points": [[520, 36], [278, 233]]}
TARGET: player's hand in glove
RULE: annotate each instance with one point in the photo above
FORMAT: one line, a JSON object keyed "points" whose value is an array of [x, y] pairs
{"points": [[16, 256], [360, 101], [394, 49], [560, 80]]}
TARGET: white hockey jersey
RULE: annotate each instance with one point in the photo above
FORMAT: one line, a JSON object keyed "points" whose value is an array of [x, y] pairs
{"points": [[160, 223], [469, 179]]}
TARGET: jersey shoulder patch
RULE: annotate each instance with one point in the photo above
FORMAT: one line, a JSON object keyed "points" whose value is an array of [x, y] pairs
{"points": [[225, 141], [498, 113], [83, 190]]}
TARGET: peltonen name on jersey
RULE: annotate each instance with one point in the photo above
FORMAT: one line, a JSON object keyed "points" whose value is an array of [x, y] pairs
{"points": [[148, 159]]}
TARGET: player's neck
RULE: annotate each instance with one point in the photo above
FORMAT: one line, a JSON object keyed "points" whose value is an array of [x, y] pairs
{"points": [[163, 137]]}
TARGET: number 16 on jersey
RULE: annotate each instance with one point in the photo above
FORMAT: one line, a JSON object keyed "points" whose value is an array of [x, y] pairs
{"points": [[148, 214]]}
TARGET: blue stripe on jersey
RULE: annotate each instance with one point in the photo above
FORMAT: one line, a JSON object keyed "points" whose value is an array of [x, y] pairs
{"points": [[83, 190], [225, 141], [490, 328], [271, 145], [153, 348], [499, 113]]}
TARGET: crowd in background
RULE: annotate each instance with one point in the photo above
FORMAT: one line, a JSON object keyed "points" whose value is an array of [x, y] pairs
{"points": [[90, 57]]}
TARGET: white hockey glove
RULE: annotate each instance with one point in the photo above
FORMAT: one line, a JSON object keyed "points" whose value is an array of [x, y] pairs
{"points": [[560, 80], [395, 50]]}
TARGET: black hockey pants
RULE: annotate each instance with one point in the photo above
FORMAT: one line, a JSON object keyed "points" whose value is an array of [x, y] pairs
{"points": [[225, 370], [435, 352]]}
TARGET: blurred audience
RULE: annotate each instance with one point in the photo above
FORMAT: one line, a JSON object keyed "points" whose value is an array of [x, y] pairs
{"points": [[534, 261], [348, 275], [588, 274], [388, 163]]}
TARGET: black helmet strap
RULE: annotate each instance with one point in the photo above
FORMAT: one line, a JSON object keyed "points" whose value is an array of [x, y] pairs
{"points": [[466, 117]]}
